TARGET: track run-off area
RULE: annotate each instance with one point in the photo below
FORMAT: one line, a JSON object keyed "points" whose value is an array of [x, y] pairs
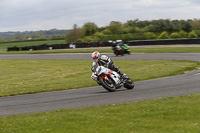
{"points": [[185, 84]]}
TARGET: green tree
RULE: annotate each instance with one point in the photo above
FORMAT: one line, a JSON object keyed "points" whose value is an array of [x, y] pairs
{"points": [[174, 35], [74, 34], [89, 28], [42, 38], [88, 39], [186, 26], [149, 28], [175, 25], [150, 35], [99, 36], [132, 23], [115, 27], [164, 35], [80, 40], [192, 34], [126, 30], [197, 32], [195, 24], [106, 31], [183, 34], [162, 25]]}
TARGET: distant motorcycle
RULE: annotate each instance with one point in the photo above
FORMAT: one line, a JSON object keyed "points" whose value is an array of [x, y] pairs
{"points": [[110, 79]]}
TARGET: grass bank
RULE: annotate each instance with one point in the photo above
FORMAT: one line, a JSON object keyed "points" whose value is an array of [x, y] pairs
{"points": [[33, 76], [166, 115]]}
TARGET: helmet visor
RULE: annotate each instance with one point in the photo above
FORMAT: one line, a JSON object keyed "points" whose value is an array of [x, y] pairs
{"points": [[95, 59]]}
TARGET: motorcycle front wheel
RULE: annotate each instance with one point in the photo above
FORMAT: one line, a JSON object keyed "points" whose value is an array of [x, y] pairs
{"points": [[122, 53], [107, 83], [129, 84]]}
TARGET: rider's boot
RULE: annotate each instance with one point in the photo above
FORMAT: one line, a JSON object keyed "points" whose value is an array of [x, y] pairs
{"points": [[122, 75], [116, 69]]}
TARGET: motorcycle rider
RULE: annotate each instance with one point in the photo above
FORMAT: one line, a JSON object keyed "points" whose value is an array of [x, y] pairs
{"points": [[124, 46], [105, 61], [120, 43], [115, 46]]}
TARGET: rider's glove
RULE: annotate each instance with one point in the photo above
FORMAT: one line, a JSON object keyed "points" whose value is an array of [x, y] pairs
{"points": [[94, 77], [106, 65]]}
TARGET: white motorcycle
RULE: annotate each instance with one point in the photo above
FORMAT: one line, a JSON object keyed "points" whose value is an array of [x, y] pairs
{"points": [[110, 79]]}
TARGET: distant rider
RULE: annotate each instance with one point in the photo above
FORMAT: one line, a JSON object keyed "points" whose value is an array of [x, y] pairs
{"points": [[103, 60], [120, 43], [115, 46]]}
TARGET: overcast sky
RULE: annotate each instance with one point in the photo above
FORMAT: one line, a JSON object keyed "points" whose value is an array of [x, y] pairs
{"points": [[32, 15]]}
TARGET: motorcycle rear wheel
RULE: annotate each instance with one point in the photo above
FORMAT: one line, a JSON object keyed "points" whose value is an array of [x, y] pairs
{"points": [[107, 84]]}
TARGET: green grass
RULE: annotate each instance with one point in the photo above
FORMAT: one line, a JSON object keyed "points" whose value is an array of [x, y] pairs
{"points": [[33, 76], [166, 115], [109, 50], [167, 50]]}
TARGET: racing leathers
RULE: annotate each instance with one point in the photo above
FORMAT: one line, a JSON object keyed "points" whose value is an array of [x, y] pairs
{"points": [[106, 62]]}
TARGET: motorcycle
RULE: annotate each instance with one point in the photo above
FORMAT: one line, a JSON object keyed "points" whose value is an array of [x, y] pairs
{"points": [[126, 49], [110, 79], [118, 51]]}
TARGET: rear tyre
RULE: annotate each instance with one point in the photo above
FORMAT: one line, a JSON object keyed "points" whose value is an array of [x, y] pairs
{"points": [[107, 84]]}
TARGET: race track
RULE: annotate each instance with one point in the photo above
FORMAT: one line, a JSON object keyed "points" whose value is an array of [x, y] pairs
{"points": [[94, 96]]}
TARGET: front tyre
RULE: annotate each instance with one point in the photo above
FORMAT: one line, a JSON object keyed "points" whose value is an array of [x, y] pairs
{"points": [[129, 84], [122, 53], [107, 83], [116, 53]]}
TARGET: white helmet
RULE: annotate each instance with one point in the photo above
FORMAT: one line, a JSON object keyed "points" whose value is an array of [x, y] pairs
{"points": [[95, 56], [118, 41]]}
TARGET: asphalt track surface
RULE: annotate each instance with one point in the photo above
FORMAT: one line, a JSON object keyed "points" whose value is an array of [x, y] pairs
{"points": [[185, 84]]}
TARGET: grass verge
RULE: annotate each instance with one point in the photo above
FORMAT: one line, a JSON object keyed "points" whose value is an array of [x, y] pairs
{"points": [[166, 115], [33, 76]]}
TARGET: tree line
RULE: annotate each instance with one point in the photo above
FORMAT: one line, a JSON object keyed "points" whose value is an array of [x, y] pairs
{"points": [[135, 30]]}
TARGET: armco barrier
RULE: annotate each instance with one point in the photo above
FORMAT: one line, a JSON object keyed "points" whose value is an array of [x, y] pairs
{"points": [[163, 42], [13, 49], [105, 44]]}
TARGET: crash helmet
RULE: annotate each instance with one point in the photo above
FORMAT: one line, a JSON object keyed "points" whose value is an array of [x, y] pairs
{"points": [[120, 42], [95, 56]]}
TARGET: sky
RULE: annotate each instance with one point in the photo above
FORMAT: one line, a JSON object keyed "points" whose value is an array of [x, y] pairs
{"points": [[34, 15]]}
